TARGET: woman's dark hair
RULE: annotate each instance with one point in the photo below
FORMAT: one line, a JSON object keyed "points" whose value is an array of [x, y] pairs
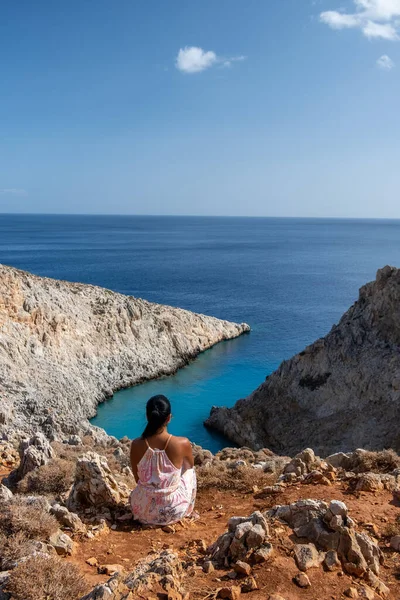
{"points": [[158, 409]]}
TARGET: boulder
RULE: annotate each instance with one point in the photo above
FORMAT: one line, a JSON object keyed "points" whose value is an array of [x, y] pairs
{"points": [[34, 452], [94, 484]]}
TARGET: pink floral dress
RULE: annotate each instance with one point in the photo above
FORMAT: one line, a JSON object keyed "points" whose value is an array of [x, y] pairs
{"points": [[164, 494]]}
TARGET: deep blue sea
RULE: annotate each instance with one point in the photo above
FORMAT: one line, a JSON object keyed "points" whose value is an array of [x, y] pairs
{"points": [[290, 279]]}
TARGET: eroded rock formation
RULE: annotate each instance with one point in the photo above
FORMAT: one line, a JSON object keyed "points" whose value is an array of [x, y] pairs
{"points": [[340, 393], [65, 347]]}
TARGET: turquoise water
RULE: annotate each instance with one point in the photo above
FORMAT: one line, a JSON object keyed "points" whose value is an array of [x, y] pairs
{"points": [[290, 279]]}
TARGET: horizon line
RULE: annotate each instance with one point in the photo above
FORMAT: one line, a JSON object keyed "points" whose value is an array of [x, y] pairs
{"points": [[45, 214]]}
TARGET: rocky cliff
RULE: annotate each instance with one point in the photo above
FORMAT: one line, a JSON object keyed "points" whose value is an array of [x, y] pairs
{"points": [[65, 347], [340, 393]]}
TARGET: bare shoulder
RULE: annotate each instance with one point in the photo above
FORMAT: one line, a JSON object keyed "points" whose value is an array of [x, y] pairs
{"points": [[183, 442], [137, 444], [137, 441]]}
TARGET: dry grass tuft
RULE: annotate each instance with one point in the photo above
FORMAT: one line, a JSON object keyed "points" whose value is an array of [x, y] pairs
{"points": [[54, 479], [392, 529], [29, 517], [13, 548], [241, 479], [384, 461], [42, 578]]}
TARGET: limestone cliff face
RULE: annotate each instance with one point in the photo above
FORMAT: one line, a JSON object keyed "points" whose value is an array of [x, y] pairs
{"points": [[65, 347], [340, 393]]}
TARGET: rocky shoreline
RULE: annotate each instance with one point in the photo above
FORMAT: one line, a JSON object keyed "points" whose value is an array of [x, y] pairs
{"points": [[342, 392], [65, 347]]}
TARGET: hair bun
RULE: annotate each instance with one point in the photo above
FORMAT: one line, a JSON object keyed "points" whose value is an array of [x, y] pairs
{"points": [[155, 412]]}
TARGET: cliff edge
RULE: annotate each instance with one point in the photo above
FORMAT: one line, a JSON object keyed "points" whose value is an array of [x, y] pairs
{"points": [[65, 347], [342, 392]]}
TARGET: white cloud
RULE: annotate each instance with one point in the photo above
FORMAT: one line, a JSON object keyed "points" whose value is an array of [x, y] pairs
{"points": [[13, 192], [192, 59], [385, 63], [384, 31], [338, 20], [377, 19]]}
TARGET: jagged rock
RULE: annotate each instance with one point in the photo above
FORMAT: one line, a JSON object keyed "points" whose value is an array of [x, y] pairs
{"points": [[244, 536], [94, 484], [73, 440], [67, 518], [100, 592], [307, 556], [306, 402], [34, 452], [5, 494], [339, 460], [165, 570], [263, 554], [376, 584], [67, 346], [366, 592], [330, 528], [376, 482], [369, 482], [331, 560], [62, 543], [255, 537]]}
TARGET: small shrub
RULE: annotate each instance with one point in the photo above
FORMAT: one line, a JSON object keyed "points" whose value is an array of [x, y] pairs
{"points": [[42, 578], [13, 548], [54, 478], [29, 517], [241, 479], [392, 529], [384, 461]]}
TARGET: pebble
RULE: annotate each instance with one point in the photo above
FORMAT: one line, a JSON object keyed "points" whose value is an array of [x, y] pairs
{"points": [[242, 568], [302, 580], [230, 593], [208, 566], [249, 585]]}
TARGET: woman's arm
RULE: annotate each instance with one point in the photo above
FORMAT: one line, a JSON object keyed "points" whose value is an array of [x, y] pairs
{"points": [[188, 459], [136, 453]]}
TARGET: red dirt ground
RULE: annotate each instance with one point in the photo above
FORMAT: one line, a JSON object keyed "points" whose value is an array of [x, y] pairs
{"points": [[127, 545]]}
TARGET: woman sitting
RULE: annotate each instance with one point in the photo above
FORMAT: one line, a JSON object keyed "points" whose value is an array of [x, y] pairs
{"points": [[163, 467]]}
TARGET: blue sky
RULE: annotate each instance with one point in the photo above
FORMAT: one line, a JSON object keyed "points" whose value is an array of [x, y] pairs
{"points": [[263, 107]]}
